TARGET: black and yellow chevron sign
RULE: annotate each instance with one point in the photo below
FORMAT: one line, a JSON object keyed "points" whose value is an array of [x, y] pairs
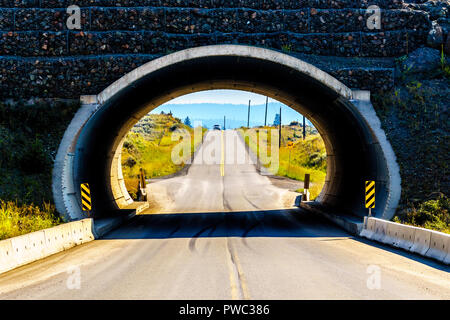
{"points": [[86, 203], [370, 194]]}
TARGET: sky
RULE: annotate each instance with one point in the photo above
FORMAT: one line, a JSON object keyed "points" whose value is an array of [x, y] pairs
{"points": [[211, 106]]}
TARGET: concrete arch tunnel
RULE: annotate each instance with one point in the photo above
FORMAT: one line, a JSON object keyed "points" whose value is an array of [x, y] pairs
{"points": [[356, 146]]}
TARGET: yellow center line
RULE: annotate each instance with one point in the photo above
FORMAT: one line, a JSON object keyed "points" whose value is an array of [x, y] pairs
{"points": [[234, 284], [238, 283], [222, 158], [243, 281]]}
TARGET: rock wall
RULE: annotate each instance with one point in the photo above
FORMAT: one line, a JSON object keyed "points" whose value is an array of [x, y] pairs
{"points": [[40, 56]]}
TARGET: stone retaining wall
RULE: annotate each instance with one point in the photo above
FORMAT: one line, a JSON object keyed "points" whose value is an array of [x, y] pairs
{"points": [[40, 56]]}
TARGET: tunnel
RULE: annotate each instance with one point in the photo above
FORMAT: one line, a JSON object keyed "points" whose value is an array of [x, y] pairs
{"points": [[356, 147]]}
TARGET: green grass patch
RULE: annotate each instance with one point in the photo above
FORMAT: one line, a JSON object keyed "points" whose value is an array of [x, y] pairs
{"points": [[432, 214]]}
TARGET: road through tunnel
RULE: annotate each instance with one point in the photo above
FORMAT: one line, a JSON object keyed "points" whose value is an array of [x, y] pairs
{"points": [[356, 147]]}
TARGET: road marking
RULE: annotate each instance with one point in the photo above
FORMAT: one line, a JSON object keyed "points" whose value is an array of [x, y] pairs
{"points": [[234, 285], [238, 283], [222, 157], [242, 279]]}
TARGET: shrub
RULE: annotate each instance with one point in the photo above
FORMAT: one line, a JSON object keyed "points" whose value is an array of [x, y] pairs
{"points": [[130, 162], [16, 219], [431, 214], [34, 158]]}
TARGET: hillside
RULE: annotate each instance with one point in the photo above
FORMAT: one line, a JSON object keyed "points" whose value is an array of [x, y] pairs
{"points": [[415, 117], [149, 146], [28, 146], [306, 156]]}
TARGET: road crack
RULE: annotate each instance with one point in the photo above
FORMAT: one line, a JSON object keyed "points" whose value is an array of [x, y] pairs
{"points": [[238, 283]]}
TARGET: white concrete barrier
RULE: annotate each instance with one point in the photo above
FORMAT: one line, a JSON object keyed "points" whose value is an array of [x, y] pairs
{"points": [[65, 232], [7, 257], [369, 229], [400, 236], [55, 240], [76, 228], [421, 241], [21, 249], [380, 230], [33, 246], [407, 235], [28, 248], [88, 230], [392, 236], [142, 207], [439, 244], [425, 242], [36, 246]]}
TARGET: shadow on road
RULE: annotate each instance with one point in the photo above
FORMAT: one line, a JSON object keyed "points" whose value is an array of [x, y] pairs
{"points": [[267, 223], [270, 223]]}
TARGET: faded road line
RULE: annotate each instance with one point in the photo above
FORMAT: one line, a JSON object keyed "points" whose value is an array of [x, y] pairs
{"points": [[238, 283]]}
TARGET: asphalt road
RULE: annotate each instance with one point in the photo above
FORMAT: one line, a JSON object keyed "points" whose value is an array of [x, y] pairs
{"points": [[222, 178], [227, 233]]}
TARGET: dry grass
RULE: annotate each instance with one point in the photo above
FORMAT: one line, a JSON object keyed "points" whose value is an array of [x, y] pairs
{"points": [[150, 145], [306, 156], [16, 219]]}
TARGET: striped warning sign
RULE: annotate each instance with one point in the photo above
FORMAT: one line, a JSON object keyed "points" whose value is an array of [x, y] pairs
{"points": [[370, 194], [86, 203]]}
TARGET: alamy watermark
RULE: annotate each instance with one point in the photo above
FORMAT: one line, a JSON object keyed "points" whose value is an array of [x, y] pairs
{"points": [[374, 280], [73, 281], [74, 20], [374, 21]]}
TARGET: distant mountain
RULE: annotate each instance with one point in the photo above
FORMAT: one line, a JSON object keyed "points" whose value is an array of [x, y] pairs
{"points": [[236, 114]]}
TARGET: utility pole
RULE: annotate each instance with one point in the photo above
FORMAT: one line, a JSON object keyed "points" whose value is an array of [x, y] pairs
{"points": [[304, 128], [265, 119], [279, 133], [248, 118]]}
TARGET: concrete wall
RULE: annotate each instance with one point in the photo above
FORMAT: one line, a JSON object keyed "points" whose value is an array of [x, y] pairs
{"points": [[388, 170], [63, 187]]}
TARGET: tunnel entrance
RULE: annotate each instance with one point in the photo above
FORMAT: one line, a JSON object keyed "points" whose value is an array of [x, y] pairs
{"points": [[357, 149], [222, 151]]}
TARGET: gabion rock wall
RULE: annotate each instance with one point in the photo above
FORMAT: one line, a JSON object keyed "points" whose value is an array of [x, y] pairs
{"points": [[41, 56]]}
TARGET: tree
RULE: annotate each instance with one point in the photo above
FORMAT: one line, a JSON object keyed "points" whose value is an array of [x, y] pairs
{"points": [[187, 122], [276, 122]]}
